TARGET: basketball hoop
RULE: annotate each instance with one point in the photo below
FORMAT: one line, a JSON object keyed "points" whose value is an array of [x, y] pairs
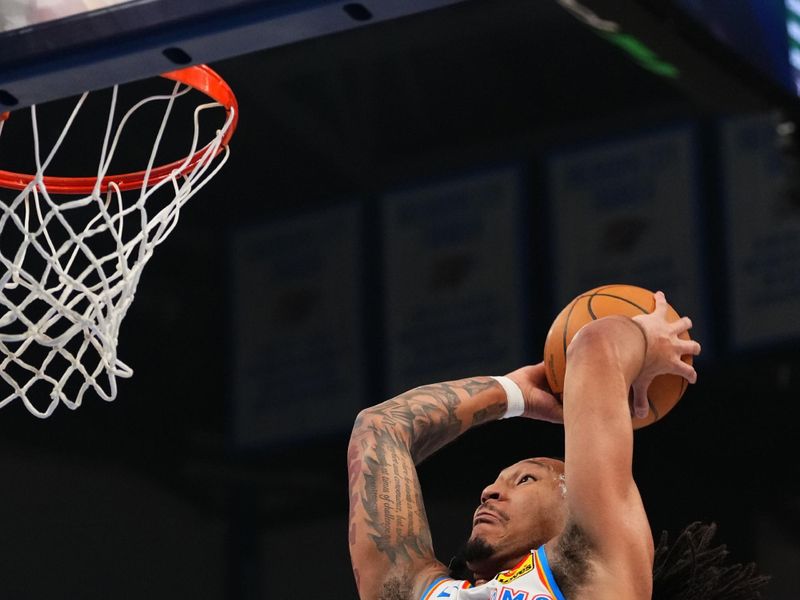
{"points": [[73, 249]]}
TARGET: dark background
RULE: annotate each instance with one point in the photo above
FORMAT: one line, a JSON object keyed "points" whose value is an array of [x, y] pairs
{"points": [[149, 497]]}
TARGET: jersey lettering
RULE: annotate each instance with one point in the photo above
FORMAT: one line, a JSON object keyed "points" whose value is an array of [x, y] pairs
{"points": [[507, 593]]}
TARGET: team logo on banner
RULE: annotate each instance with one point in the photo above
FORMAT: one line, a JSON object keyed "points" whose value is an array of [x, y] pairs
{"points": [[517, 572]]}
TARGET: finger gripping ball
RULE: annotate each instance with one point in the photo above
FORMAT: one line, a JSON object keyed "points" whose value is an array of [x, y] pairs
{"points": [[628, 300]]}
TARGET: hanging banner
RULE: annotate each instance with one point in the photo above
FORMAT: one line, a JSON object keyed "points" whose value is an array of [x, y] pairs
{"points": [[625, 212], [297, 350], [454, 286], [762, 205]]}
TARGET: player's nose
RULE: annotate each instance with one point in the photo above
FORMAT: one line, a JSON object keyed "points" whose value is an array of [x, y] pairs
{"points": [[491, 492]]}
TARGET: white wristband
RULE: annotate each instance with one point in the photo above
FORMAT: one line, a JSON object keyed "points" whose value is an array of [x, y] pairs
{"points": [[516, 403]]}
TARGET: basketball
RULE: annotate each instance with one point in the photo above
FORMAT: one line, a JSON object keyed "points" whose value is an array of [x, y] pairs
{"points": [[628, 300]]}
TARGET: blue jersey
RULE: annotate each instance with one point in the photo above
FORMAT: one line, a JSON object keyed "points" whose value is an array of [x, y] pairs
{"points": [[531, 579]]}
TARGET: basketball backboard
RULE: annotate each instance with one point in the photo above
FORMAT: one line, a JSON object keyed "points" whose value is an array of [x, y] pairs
{"points": [[55, 48]]}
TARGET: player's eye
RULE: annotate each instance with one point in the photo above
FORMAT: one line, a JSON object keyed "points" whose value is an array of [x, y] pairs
{"points": [[526, 478]]}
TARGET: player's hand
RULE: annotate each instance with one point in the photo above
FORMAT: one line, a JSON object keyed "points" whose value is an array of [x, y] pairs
{"points": [[540, 404], [664, 351]]}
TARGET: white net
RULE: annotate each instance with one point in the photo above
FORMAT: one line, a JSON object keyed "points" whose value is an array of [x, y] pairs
{"points": [[71, 263]]}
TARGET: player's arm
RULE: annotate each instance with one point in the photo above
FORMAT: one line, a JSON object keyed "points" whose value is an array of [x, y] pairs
{"points": [[390, 541], [604, 361]]}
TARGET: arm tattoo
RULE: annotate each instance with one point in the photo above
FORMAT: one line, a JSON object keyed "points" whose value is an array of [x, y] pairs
{"points": [[427, 414], [384, 448], [393, 502], [491, 413]]}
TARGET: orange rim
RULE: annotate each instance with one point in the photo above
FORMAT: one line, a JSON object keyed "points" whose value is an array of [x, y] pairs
{"points": [[201, 78]]}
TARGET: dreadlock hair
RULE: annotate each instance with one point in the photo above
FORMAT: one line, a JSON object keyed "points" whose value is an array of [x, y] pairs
{"points": [[692, 569]]}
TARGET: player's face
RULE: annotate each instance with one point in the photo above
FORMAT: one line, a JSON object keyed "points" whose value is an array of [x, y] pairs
{"points": [[524, 508]]}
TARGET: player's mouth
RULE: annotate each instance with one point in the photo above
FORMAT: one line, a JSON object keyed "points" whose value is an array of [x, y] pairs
{"points": [[485, 516]]}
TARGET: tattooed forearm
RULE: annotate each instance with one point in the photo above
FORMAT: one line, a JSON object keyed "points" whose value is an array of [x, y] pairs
{"points": [[393, 502], [428, 414], [490, 413], [389, 530]]}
